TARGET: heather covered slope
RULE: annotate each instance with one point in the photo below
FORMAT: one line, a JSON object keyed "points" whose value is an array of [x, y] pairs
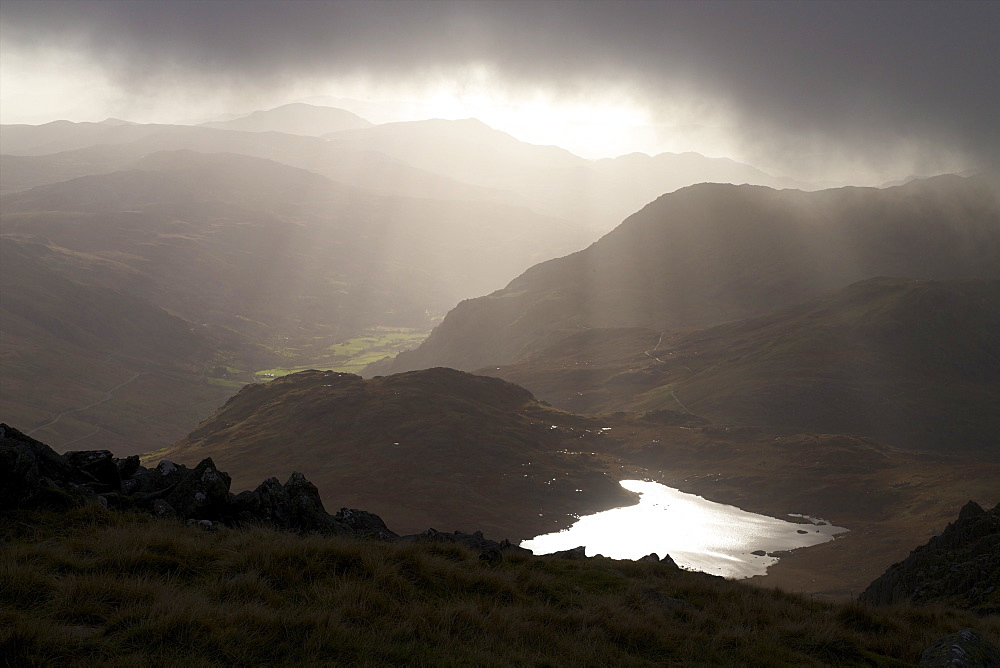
{"points": [[713, 253], [909, 362]]}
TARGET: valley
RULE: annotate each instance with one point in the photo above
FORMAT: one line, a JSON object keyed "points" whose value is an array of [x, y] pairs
{"points": [[301, 290]]}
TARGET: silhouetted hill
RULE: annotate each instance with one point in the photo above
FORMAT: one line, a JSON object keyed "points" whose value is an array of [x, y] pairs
{"points": [[914, 363], [434, 446], [712, 253], [295, 119]]}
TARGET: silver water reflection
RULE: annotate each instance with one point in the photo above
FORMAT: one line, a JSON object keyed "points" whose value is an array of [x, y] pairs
{"points": [[698, 534]]}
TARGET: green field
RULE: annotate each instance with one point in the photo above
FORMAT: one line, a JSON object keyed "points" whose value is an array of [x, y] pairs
{"points": [[353, 355]]}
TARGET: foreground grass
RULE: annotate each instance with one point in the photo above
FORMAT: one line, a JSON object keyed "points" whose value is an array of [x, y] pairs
{"points": [[94, 587]]}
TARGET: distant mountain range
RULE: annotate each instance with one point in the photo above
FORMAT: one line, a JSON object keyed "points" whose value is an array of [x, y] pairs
{"points": [[294, 119], [712, 253]]}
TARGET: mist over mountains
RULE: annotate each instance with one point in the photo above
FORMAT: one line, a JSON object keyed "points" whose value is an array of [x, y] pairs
{"points": [[712, 253], [193, 291], [279, 234]]}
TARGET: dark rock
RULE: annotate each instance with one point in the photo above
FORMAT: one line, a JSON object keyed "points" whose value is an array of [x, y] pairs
{"points": [[201, 494], [667, 560], [759, 553], [964, 649], [158, 482], [574, 553], [98, 463], [654, 557], [306, 506], [959, 567], [127, 467], [163, 509], [364, 523], [33, 474], [801, 531], [296, 505], [474, 541]]}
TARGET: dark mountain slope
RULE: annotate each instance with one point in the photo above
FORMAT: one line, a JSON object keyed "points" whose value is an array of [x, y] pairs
{"points": [[914, 363], [431, 446], [66, 344], [713, 253]]}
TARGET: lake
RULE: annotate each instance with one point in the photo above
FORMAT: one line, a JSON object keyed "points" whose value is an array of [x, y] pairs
{"points": [[697, 533]]}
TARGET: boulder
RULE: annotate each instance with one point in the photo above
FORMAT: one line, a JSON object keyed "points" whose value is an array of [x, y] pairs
{"points": [[964, 649], [202, 494], [98, 463], [364, 523], [574, 553]]}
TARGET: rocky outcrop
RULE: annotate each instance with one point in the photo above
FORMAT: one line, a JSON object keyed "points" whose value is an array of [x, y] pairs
{"points": [[960, 567], [964, 649], [32, 475]]}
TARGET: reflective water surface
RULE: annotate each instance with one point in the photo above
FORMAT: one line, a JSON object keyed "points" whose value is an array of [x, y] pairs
{"points": [[698, 534]]}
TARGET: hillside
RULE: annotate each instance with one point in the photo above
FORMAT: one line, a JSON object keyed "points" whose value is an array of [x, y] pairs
{"points": [[271, 264], [449, 449], [713, 253], [914, 363], [404, 443], [295, 119], [83, 361]]}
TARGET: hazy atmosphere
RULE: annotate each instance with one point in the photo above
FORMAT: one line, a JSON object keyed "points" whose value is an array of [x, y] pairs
{"points": [[489, 332], [854, 92]]}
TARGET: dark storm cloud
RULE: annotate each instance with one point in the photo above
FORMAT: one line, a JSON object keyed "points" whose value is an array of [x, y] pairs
{"points": [[861, 75]]}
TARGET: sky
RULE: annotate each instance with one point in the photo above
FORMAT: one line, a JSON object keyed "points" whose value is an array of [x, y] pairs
{"points": [[843, 91]]}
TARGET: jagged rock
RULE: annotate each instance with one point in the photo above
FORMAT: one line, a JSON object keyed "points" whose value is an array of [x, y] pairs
{"points": [[307, 511], [474, 541], [163, 509], [574, 553], [157, 483], [33, 474], [295, 505], [964, 649], [127, 467], [364, 523], [668, 561], [959, 567], [653, 556], [201, 494], [98, 463]]}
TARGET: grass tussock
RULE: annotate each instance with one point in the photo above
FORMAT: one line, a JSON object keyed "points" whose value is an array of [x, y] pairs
{"points": [[93, 587]]}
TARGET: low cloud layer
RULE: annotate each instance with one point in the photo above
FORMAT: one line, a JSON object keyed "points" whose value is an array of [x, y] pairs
{"points": [[795, 84]]}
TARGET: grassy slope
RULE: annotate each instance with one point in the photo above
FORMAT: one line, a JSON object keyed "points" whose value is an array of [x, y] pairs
{"points": [[92, 587]]}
